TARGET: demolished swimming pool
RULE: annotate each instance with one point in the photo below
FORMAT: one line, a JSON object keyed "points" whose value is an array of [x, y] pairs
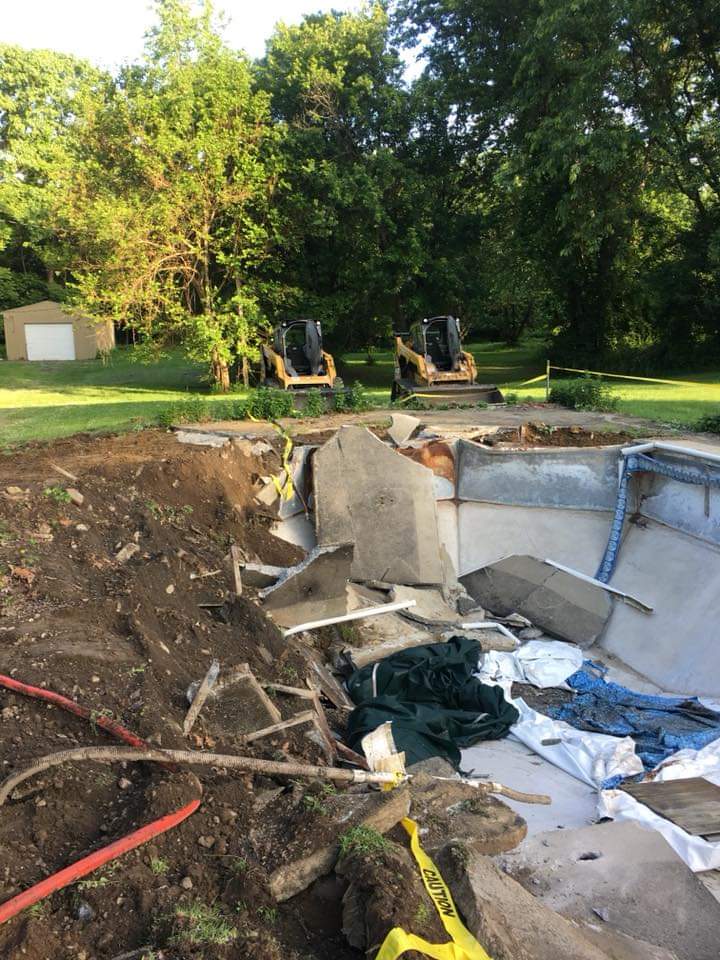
{"points": [[474, 652]]}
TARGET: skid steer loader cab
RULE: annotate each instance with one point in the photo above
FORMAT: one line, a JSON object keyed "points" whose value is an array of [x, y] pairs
{"points": [[430, 363], [295, 359]]}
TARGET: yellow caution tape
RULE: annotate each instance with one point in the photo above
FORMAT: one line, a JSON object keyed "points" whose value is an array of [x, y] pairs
{"points": [[463, 945]]}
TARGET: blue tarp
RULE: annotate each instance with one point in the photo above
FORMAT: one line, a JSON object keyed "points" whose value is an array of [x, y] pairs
{"points": [[659, 725]]}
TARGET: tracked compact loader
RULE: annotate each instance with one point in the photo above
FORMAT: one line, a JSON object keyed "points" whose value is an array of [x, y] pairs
{"points": [[295, 359], [430, 363]]}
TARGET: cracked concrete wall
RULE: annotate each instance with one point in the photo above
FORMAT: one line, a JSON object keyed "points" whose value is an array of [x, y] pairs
{"points": [[584, 479]]}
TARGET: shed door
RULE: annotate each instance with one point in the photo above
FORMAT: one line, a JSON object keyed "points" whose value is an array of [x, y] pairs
{"points": [[50, 341]]}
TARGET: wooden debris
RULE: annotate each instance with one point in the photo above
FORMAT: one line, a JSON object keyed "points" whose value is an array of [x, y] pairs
{"points": [[201, 695], [64, 473], [235, 560], [245, 673], [308, 716], [75, 496], [129, 550]]}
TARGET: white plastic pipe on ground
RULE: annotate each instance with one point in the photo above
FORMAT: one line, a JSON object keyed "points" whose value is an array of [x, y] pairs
{"points": [[353, 615]]}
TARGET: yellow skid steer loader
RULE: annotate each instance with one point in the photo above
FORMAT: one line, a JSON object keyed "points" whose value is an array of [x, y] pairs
{"points": [[430, 363], [295, 359]]}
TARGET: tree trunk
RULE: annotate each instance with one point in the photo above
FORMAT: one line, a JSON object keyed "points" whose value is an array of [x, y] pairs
{"points": [[220, 372], [245, 372]]}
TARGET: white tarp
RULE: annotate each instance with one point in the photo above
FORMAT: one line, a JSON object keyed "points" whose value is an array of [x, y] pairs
{"points": [[698, 854], [543, 663], [590, 757]]}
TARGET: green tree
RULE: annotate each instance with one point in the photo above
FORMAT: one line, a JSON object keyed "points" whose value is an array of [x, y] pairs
{"points": [[40, 93], [168, 214], [351, 245]]}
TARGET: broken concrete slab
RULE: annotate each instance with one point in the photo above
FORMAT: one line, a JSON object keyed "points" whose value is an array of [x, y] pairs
{"points": [[383, 502], [402, 428], [261, 575], [562, 604], [430, 607], [300, 866], [312, 590], [201, 439], [627, 873], [298, 530], [508, 921], [282, 507]]}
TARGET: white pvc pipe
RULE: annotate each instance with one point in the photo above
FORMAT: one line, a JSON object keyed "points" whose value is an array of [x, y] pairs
{"points": [[671, 448], [488, 625], [353, 615], [646, 608]]}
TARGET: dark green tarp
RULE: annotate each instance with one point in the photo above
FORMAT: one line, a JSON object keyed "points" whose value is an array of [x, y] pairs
{"points": [[434, 702]]}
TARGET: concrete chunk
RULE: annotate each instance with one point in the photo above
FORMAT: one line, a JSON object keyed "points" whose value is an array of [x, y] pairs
{"points": [[261, 574], [562, 604], [201, 439], [312, 590], [402, 428], [385, 503]]}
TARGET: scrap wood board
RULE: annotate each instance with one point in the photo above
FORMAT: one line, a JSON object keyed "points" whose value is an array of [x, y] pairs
{"points": [[693, 804]]}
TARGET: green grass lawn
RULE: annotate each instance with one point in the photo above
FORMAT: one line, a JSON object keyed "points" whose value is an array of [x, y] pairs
{"points": [[40, 401]]}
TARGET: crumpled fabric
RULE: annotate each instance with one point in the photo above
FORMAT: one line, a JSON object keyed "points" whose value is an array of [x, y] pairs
{"points": [[659, 725], [433, 700], [543, 663]]}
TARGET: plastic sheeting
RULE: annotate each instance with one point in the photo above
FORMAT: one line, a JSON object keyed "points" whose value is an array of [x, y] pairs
{"points": [[660, 726], [594, 758], [543, 663]]}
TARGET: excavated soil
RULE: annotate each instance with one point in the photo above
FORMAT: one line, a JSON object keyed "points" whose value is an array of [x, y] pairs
{"points": [[126, 639], [542, 435]]}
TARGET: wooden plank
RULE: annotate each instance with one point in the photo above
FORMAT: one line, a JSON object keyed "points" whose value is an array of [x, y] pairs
{"points": [[693, 804], [307, 717]]}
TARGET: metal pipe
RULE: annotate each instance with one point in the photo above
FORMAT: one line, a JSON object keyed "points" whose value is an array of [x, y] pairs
{"points": [[353, 615]]}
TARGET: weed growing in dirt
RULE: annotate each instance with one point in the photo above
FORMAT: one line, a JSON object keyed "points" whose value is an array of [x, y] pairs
{"points": [[288, 673], [268, 404], [38, 911], [422, 914], [411, 403], [313, 804], [58, 494], [584, 393], [159, 866], [511, 399], [100, 879], [268, 915], [202, 925], [239, 865], [363, 840], [315, 405]]}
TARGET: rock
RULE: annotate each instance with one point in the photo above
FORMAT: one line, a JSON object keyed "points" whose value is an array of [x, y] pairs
{"points": [[82, 528], [124, 783], [206, 841], [84, 911], [129, 550], [170, 588], [75, 496], [186, 883], [314, 589], [299, 868], [509, 922]]}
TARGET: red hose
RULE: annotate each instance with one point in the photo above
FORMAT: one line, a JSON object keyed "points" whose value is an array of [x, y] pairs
{"points": [[111, 726], [94, 860]]}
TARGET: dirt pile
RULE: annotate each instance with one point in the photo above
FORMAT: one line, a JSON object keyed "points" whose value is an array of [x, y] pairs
{"points": [[125, 632]]}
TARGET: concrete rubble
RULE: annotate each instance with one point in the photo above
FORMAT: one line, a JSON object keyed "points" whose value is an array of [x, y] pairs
{"points": [[313, 590], [402, 428], [564, 605], [382, 502]]}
